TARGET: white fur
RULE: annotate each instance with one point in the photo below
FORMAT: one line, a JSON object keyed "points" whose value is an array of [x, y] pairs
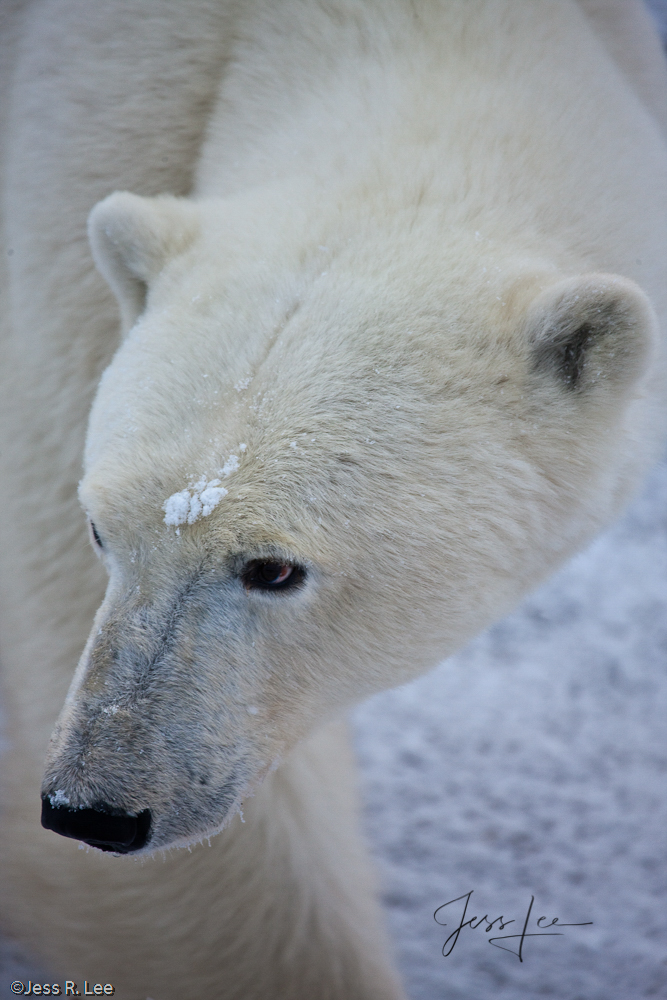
{"points": [[413, 258]]}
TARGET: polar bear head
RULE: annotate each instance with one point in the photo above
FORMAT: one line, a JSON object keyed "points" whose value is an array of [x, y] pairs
{"points": [[325, 454]]}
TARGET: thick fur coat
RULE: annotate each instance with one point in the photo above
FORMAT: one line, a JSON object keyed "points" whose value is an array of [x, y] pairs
{"points": [[391, 283]]}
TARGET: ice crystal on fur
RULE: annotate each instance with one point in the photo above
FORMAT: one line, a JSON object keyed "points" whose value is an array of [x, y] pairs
{"points": [[190, 504], [59, 798], [199, 499]]}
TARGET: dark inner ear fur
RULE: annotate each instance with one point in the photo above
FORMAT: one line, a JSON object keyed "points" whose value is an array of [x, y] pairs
{"points": [[565, 355], [591, 331]]}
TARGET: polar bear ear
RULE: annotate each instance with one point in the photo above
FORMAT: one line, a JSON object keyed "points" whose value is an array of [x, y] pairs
{"points": [[132, 238], [593, 334]]}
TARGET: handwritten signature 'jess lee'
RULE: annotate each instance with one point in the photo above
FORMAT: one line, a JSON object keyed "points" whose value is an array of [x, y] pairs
{"points": [[473, 923]]}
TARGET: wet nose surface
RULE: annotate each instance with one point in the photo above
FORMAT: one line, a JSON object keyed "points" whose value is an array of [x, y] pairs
{"points": [[103, 828]]}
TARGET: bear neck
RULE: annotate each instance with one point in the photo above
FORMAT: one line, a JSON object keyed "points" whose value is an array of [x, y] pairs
{"points": [[389, 104]]}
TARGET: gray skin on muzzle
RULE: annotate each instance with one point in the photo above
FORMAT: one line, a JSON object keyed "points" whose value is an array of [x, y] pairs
{"points": [[145, 753]]}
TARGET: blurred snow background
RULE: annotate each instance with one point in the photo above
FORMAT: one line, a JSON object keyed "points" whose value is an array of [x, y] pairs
{"points": [[534, 763], [658, 9]]}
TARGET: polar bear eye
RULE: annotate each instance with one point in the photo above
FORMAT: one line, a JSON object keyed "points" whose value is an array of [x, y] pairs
{"points": [[97, 541], [259, 575]]}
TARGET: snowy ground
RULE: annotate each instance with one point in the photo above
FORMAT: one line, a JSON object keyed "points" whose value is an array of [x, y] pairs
{"points": [[532, 764]]}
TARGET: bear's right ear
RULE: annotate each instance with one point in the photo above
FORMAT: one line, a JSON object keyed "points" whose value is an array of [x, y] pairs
{"points": [[132, 238]]}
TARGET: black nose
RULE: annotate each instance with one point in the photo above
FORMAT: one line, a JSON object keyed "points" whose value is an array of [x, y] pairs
{"points": [[103, 827]]}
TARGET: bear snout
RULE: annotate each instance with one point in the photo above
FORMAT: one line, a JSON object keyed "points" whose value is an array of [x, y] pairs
{"points": [[101, 827]]}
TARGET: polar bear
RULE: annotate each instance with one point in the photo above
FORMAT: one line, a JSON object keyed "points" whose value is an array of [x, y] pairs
{"points": [[391, 280]]}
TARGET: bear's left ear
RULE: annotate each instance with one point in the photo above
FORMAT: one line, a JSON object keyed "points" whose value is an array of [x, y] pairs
{"points": [[593, 335], [132, 238]]}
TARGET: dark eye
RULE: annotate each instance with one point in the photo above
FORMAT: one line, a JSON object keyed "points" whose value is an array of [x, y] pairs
{"points": [[260, 575], [96, 537]]}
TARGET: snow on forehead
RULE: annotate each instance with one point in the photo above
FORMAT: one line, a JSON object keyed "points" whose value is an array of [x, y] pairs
{"points": [[199, 499]]}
